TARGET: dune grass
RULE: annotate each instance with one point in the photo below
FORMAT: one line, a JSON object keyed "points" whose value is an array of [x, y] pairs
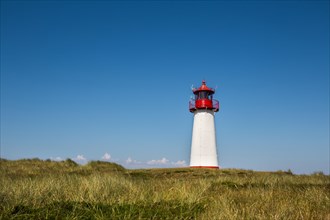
{"points": [[36, 189]]}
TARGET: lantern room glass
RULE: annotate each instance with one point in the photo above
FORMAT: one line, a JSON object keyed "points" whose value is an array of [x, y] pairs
{"points": [[203, 95]]}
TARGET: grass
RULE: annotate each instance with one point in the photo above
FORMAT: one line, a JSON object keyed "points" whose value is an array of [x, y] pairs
{"points": [[36, 189]]}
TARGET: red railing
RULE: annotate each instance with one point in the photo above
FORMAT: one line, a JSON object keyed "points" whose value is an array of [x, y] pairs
{"points": [[215, 105], [192, 106]]}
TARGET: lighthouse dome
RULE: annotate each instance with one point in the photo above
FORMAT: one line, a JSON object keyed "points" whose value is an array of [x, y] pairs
{"points": [[203, 87]]}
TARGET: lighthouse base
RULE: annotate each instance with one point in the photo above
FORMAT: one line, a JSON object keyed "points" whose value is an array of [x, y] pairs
{"points": [[206, 167], [203, 144]]}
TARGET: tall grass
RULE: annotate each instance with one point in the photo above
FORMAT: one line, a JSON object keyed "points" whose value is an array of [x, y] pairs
{"points": [[36, 189]]}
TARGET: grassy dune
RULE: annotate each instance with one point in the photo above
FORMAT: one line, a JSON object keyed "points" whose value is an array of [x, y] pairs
{"points": [[36, 189]]}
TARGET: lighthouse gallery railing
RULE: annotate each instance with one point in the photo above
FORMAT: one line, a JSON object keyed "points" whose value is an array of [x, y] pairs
{"points": [[215, 105]]}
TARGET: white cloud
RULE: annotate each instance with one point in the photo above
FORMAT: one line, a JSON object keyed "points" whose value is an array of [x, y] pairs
{"points": [[181, 163], [106, 156], [163, 162], [80, 158], [158, 162], [56, 158], [132, 163], [129, 160]]}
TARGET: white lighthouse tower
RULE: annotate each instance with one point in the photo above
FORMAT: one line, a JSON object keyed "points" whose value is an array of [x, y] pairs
{"points": [[203, 143]]}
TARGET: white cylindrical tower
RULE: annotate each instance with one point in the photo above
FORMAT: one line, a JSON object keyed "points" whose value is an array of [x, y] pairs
{"points": [[203, 143]]}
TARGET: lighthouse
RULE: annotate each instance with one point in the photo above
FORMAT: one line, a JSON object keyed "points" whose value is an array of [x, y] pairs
{"points": [[203, 144]]}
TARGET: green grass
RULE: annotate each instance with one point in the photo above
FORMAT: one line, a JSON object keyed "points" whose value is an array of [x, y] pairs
{"points": [[36, 189]]}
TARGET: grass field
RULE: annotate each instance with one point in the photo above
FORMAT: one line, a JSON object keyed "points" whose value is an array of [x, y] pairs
{"points": [[36, 189]]}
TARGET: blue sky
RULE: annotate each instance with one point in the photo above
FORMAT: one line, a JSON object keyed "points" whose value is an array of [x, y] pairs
{"points": [[111, 80]]}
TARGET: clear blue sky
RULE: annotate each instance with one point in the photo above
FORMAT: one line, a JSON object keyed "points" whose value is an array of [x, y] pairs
{"points": [[80, 79]]}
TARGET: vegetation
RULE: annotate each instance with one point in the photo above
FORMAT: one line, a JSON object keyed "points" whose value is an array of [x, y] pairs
{"points": [[36, 189]]}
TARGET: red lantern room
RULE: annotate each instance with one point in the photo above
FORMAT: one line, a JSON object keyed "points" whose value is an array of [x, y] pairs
{"points": [[203, 99]]}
